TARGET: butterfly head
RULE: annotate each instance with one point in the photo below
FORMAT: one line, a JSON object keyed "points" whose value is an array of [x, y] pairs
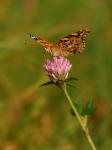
{"points": [[33, 37]]}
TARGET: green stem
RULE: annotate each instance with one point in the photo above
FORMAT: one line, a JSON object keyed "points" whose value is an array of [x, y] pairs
{"points": [[84, 128]]}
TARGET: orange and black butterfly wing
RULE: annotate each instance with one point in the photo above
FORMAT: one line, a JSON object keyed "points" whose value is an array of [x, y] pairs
{"points": [[74, 42]]}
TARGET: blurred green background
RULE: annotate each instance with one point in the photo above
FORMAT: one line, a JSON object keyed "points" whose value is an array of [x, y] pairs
{"points": [[40, 119]]}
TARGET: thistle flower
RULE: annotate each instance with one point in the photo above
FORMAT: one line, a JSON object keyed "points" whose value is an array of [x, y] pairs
{"points": [[57, 68]]}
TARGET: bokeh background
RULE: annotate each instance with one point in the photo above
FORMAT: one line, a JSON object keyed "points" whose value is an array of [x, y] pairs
{"points": [[33, 118]]}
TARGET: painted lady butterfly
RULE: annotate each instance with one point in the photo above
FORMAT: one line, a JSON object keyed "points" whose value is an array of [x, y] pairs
{"points": [[70, 44]]}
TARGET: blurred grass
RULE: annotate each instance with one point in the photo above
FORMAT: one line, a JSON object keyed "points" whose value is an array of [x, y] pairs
{"points": [[33, 118]]}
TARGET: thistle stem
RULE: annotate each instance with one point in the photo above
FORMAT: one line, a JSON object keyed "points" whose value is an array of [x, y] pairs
{"points": [[84, 128]]}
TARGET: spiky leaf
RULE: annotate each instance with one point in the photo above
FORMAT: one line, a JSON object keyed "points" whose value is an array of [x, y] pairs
{"points": [[89, 108], [47, 83]]}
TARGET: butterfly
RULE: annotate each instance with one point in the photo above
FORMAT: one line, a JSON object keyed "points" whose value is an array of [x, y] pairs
{"points": [[74, 42]]}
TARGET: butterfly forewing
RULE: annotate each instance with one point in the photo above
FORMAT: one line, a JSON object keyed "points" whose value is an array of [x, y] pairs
{"points": [[74, 42]]}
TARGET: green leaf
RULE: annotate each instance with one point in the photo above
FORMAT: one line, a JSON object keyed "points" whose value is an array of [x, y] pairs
{"points": [[89, 108], [71, 79], [79, 106], [71, 85], [47, 83]]}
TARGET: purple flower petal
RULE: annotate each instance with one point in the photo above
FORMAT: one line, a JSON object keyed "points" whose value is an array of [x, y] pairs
{"points": [[57, 68]]}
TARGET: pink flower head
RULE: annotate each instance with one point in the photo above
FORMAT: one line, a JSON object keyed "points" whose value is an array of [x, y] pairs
{"points": [[57, 68]]}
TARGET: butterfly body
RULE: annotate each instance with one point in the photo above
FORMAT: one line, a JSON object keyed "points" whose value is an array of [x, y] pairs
{"points": [[72, 43]]}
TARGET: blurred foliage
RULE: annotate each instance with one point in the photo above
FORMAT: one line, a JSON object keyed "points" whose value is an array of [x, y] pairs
{"points": [[33, 118]]}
